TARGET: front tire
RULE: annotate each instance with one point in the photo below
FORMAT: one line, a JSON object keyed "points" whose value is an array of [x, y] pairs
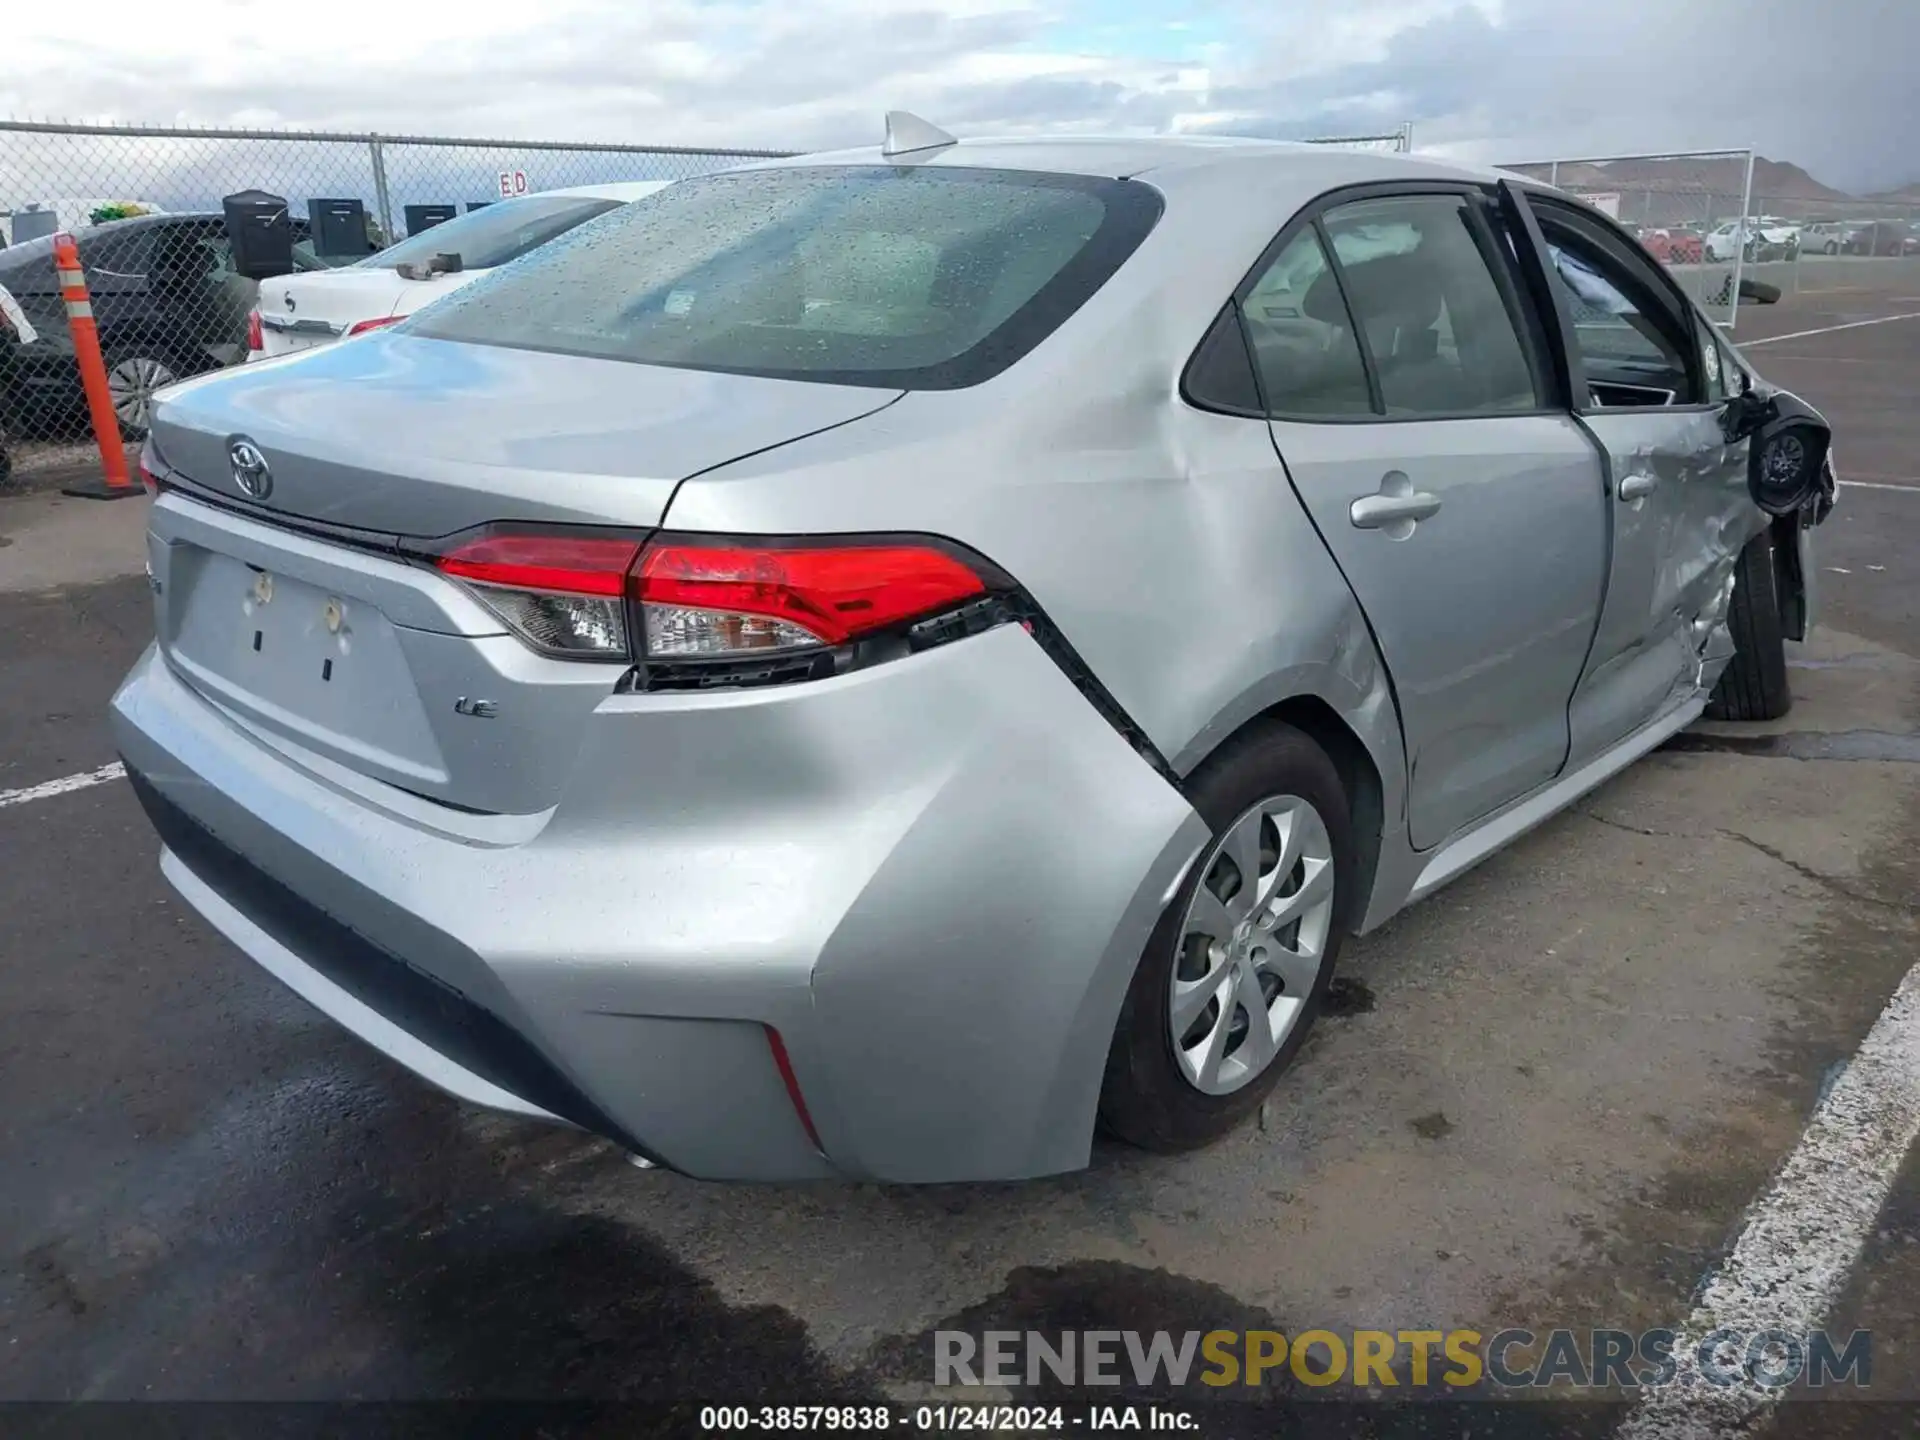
{"points": [[1754, 684], [1237, 969]]}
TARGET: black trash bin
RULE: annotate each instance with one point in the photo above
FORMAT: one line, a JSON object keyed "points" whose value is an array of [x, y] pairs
{"points": [[339, 228], [261, 233], [425, 217]]}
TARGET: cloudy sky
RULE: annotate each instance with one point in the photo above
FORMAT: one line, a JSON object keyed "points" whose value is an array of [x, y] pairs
{"points": [[1827, 84]]}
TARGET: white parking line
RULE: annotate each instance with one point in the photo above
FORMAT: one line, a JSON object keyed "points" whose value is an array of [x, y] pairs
{"points": [[1828, 329], [1805, 1234], [1873, 485], [48, 789]]}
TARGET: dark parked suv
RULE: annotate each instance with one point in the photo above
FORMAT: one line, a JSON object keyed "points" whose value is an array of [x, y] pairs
{"points": [[1884, 237], [168, 303]]}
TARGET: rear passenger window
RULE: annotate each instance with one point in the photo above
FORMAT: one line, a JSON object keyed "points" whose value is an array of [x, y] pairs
{"points": [[1438, 329], [1303, 343]]}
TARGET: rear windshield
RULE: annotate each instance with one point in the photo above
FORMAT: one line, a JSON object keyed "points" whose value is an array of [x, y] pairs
{"points": [[493, 236], [925, 278]]}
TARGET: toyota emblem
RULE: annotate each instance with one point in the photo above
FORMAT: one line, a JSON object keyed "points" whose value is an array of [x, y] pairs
{"points": [[250, 470]]}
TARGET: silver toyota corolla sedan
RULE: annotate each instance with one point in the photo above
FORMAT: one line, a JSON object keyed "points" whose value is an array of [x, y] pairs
{"points": [[883, 663]]}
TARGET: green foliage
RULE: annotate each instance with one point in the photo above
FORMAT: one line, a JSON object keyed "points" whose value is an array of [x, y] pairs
{"points": [[120, 210]]}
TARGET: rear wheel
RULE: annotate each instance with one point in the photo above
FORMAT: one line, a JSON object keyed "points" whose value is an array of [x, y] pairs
{"points": [[1754, 684], [1237, 969]]}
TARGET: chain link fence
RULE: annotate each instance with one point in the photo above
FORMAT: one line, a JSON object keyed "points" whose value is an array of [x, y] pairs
{"points": [[169, 296], [1686, 210], [1842, 243], [1395, 142], [145, 204], [1721, 217]]}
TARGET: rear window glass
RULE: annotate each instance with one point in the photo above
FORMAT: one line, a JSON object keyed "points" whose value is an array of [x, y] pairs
{"points": [[925, 278], [495, 235]]}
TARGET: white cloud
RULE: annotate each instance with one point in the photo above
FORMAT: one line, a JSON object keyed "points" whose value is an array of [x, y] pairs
{"points": [[1821, 84]]}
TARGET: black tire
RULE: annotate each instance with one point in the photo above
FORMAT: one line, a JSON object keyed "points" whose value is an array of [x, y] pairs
{"points": [[1145, 1099], [1763, 293], [1754, 684]]}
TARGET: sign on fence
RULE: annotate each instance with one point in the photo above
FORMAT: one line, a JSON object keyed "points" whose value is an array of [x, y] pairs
{"points": [[512, 183]]}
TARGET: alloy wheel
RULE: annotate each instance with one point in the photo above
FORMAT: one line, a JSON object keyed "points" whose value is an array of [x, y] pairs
{"points": [[1251, 944], [131, 383]]}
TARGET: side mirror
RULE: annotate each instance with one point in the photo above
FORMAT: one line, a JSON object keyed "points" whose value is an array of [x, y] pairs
{"points": [[1747, 413], [1788, 465], [1785, 466]]}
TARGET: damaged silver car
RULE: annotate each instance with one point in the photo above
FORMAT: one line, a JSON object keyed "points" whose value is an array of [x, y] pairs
{"points": [[880, 663]]}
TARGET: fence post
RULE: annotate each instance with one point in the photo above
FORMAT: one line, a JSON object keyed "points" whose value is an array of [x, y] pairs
{"points": [[1746, 238], [115, 484], [381, 202]]}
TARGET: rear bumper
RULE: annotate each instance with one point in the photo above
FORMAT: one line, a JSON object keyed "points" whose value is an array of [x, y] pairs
{"points": [[933, 878]]}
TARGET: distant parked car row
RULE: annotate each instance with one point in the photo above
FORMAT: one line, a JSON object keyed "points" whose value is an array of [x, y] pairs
{"points": [[1864, 237], [170, 303], [1769, 238], [1758, 237], [1672, 244]]}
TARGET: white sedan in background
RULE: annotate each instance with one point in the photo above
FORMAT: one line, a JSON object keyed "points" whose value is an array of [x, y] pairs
{"points": [[300, 311], [1763, 238]]}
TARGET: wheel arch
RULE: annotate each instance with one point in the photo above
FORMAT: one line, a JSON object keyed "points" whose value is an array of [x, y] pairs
{"points": [[150, 333], [1359, 777], [1374, 784]]}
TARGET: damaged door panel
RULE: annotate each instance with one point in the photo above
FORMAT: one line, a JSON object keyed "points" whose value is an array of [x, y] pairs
{"points": [[1651, 391]]}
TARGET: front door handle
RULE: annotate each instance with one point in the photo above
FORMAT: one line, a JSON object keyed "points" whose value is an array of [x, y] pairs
{"points": [[1384, 511], [1638, 487]]}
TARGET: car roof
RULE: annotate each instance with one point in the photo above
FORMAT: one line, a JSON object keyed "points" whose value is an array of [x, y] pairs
{"points": [[144, 222], [618, 190], [1159, 155]]}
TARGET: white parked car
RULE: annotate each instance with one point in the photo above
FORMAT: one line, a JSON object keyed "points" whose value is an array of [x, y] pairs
{"points": [[298, 312], [1763, 238]]}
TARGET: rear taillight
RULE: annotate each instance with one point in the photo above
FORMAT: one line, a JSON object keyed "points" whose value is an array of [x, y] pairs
{"points": [[713, 600], [564, 594], [696, 601], [360, 327], [151, 467], [256, 337]]}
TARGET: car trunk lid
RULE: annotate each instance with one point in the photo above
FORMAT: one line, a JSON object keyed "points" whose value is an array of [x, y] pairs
{"points": [[298, 312], [417, 437]]}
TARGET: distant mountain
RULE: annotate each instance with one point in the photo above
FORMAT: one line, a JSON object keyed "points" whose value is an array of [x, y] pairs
{"points": [[1706, 190]]}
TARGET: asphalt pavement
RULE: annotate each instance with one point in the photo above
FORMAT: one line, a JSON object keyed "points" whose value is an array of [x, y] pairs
{"points": [[1548, 1096]]}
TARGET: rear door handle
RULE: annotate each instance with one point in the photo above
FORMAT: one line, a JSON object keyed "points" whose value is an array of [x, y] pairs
{"points": [[1377, 512], [1638, 487]]}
